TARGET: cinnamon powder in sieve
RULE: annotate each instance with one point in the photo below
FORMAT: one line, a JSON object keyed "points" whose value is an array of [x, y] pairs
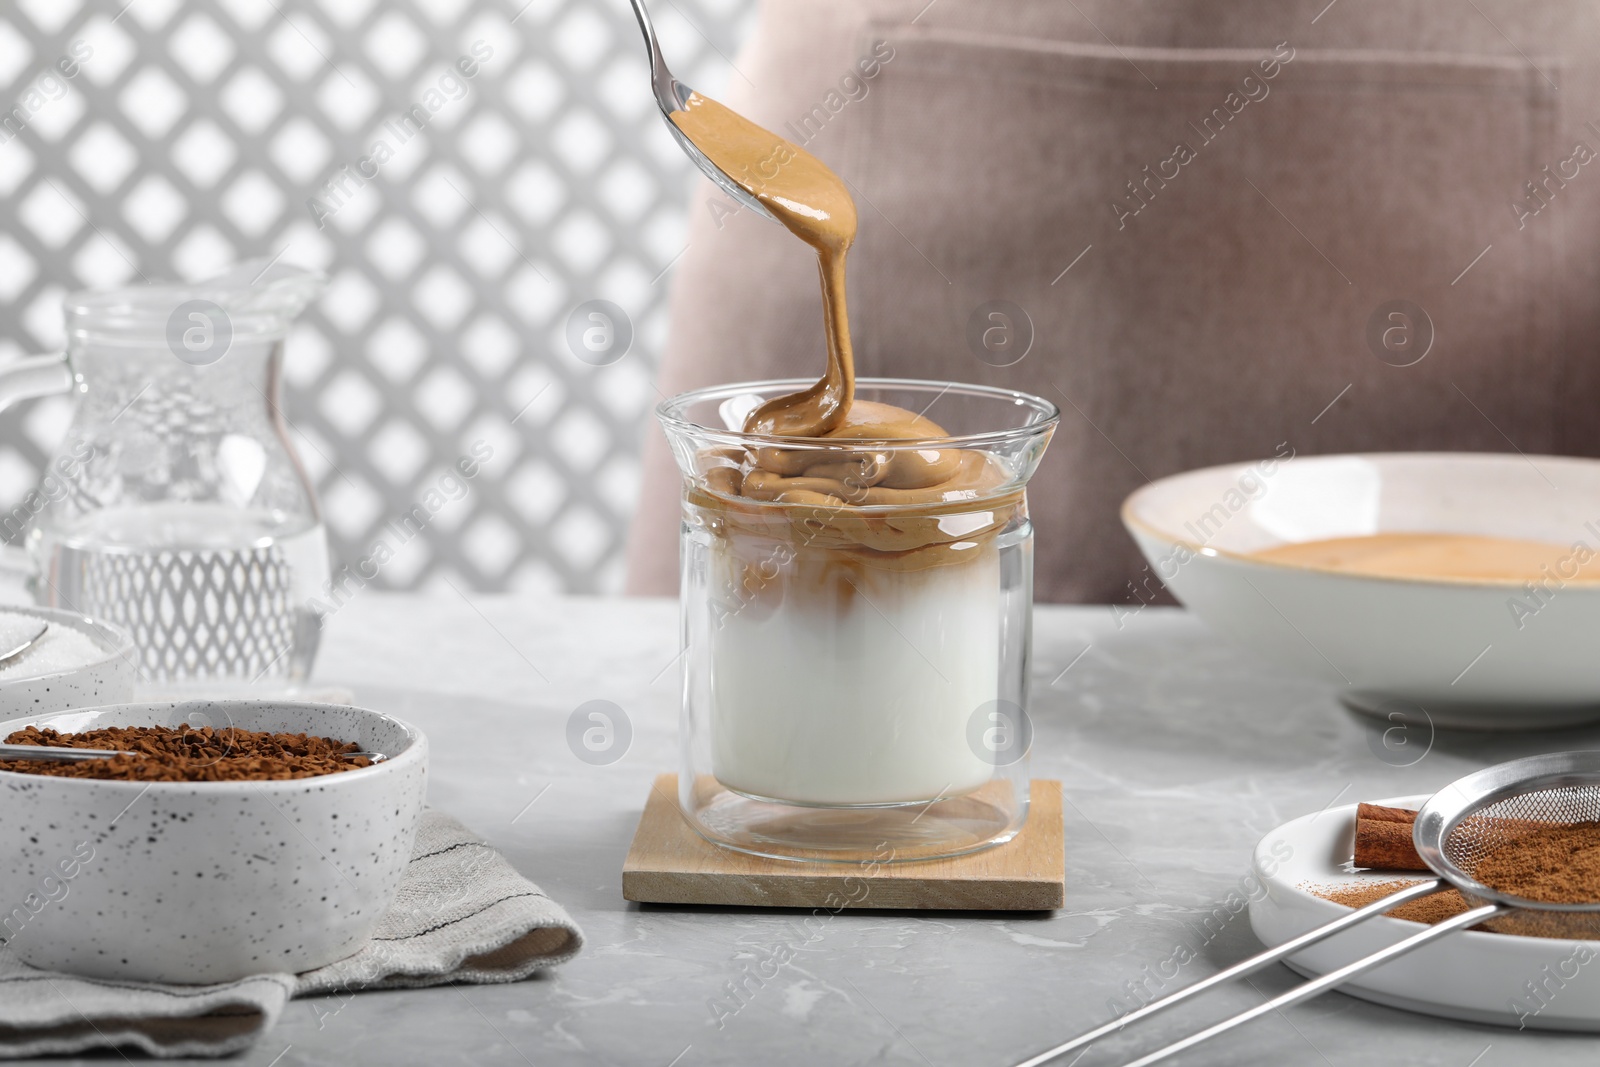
{"points": [[184, 754], [1555, 864]]}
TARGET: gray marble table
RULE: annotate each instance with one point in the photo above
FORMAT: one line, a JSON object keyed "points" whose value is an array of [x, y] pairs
{"points": [[1178, 753]]}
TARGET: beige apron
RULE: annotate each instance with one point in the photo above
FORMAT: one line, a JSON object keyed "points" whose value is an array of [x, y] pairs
{"points": [[1209, 223]]}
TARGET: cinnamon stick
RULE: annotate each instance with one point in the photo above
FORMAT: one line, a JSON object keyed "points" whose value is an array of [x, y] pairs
{"points": [[1383, 814], [1383, 839]]}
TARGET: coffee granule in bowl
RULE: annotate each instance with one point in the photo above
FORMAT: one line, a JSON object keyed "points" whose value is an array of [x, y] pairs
{"points": [[186, 754]]}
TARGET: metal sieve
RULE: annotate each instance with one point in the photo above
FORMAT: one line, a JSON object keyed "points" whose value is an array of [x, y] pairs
{"points": [[1456, 829]]}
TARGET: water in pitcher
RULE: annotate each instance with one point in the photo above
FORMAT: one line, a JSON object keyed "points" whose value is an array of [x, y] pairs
{"points": [[207, 590]]}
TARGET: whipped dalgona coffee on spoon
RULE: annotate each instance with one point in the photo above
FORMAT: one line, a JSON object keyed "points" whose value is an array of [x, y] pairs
{"points": [[857, 580]]}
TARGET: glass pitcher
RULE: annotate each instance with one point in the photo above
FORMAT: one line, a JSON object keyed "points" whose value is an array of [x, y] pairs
{"points": [[176, 506]]}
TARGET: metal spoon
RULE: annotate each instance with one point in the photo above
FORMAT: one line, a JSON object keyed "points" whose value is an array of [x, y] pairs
{"points": [[673, 95], [18, 633], [54, 754]]}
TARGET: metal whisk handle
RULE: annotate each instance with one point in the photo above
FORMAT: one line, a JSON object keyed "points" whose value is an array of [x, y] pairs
{"points": [[1243, 967], [1275, 955], [1307, 990]]}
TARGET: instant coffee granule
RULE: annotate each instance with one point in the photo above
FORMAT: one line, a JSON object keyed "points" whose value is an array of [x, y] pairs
{"points": [[186, 754]]}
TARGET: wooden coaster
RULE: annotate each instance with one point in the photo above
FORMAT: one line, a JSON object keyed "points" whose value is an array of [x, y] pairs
{"points": [[669, 863]]}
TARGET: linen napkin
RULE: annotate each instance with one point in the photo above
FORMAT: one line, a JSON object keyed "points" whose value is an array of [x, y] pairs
{"points": [[462, 914]]}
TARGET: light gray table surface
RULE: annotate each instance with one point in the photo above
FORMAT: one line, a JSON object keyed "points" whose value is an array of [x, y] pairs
{"points": [[1178, 753]]}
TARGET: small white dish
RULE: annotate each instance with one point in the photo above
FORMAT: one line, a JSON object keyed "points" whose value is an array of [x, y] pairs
{"points": [[1456, 653], [103, 678], [196, 882], [1499, 979]]}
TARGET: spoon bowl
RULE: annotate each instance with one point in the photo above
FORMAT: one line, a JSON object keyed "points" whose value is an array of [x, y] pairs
{"points": [[18, 633]]}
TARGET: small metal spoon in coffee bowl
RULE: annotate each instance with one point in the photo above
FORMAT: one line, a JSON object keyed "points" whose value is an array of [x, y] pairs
{"points": [[62, 754]]}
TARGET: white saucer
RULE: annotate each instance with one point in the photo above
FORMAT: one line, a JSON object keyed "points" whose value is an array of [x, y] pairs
{"points": [[1478, 977]]}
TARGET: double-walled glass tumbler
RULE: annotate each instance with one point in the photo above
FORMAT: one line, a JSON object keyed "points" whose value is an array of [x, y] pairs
{"points": [[855, 677]]}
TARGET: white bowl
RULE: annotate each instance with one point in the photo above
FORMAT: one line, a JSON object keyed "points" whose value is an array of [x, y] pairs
{"points": [[1479, 977], [1460, 653], [207, 881], [107, 679]]}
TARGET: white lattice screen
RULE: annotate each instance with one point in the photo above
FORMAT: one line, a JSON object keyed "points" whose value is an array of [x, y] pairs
{"points": [[197, 130]]}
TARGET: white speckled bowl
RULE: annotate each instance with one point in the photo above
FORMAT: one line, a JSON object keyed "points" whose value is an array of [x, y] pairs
{"points": [[106, 680], [207, 881]]}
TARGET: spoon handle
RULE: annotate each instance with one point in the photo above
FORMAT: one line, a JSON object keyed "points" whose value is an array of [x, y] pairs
{"points": [[661, 80], [52, 754]]}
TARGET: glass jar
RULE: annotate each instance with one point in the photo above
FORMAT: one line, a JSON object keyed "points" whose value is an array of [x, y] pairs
{"points": [[855, 675]]}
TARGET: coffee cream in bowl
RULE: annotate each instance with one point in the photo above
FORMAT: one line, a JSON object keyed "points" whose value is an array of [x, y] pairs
{"points": [[1431, 588]]}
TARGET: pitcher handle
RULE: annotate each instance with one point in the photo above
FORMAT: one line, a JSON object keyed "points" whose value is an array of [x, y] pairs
{"points": [[34, 376]]}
